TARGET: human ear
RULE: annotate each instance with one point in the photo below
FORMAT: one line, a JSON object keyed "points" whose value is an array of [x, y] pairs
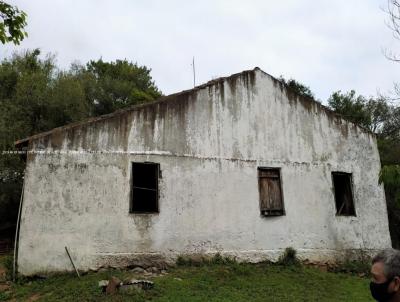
{"points": [[396, 283]]}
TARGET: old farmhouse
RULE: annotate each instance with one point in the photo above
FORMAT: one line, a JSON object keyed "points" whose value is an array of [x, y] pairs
{"points": [[241, 166]]}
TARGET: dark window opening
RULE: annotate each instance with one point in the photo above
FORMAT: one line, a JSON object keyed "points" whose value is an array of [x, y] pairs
{"points": [[269, 185], [343, 194], [144, 197]]}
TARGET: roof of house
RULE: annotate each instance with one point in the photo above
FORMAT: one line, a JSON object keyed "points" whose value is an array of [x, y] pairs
{"points": [[291, 94]]}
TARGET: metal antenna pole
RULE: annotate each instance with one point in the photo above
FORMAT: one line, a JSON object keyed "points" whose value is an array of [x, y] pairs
{"points": [[194, 74]]}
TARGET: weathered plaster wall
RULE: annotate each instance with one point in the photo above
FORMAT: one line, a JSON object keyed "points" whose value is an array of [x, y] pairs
{"points": [[209, 143]]}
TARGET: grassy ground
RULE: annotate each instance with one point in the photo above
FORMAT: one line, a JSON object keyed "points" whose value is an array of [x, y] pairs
{"points": [[212, 282]]}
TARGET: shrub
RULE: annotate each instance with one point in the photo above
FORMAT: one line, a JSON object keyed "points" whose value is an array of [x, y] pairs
{"points": [[7, 263], [182, 261], [359, 264], [200, 260], [219, 259], [288, 257]]}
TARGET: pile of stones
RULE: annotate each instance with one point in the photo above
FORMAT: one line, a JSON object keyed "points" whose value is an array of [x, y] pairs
{"points": [[114, 284]]}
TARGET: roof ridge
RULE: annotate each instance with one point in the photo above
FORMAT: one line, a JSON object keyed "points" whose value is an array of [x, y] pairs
{"points": [[166, 98], [118, 112]]}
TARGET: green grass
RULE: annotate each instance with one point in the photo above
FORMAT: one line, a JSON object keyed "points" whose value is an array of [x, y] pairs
{"points": [[208, 282]]}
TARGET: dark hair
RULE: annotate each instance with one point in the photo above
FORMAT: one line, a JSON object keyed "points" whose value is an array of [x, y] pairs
{"points": [[391, 262]]}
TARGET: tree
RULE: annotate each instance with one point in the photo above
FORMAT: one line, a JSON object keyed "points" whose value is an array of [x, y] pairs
{"points": [[370, 113], [114, 85], [298, 87], [393, 10], [12, 24], [390, 176]]}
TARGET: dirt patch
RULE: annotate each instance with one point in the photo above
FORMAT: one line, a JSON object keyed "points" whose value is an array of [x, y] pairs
{"points": [[34, 297], [4, 287], [2, 274]]}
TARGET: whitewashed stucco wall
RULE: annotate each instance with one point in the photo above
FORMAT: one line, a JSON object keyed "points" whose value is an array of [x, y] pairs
{"points": [[209, 143]]}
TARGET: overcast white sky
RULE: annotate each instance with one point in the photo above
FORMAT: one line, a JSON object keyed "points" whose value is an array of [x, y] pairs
{"points": [[327, 45]]}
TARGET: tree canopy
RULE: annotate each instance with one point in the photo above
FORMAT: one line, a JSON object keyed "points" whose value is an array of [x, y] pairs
{"points": [[12, 24], [298, 87], [36, 96], [114, 85], [371, 113]]}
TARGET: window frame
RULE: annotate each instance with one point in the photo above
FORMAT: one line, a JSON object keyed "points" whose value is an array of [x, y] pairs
{"points": [[132, 187], [350, 176], [271, 212]]}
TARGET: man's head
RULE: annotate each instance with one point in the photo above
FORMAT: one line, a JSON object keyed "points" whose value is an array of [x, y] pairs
{"points": [[385, 270]]}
